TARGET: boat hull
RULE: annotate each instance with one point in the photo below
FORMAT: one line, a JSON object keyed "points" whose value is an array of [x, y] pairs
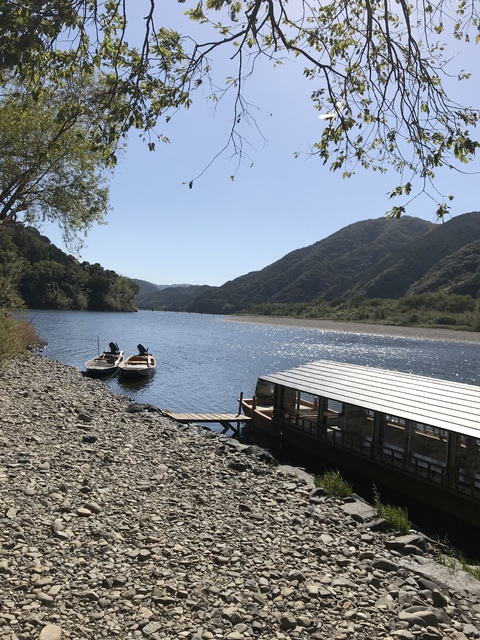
{"points": [[103, 365], [139, 366]]}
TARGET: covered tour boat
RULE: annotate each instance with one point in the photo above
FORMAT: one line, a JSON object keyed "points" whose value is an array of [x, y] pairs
{"points": [[416, 434]]}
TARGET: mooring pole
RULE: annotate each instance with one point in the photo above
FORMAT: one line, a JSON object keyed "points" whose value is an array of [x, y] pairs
{"points": [[240, 400]]}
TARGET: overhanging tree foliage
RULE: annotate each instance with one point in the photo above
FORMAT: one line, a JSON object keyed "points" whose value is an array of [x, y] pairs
{"points": [[380, 70], [51, 167]]}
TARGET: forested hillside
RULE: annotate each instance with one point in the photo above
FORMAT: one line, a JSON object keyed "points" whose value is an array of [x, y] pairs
{"points": [[172, 298], [44, 277], [372, 259], [440, 260], [315, 271]]}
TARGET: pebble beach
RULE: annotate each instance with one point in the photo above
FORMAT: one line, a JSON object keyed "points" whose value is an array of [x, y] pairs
{"points": [[116, 522]]}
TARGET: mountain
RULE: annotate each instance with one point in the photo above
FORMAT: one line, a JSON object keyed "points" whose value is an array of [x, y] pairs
{"points": [[458, 273], [145, 288], [399, 274], [314, 271], [154, 295], [173, 298], [376, 258]]}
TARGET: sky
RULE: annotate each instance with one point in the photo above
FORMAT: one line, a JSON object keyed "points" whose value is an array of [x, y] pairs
{"points": [[161, 231]]}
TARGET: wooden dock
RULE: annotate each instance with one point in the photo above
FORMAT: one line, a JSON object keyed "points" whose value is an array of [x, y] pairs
{"points": [[227, 420]]}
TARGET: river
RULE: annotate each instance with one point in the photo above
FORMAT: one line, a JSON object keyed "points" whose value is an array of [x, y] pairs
{"points": [[205, 361]]}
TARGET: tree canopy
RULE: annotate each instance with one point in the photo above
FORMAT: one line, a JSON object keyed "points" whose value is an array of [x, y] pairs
{"points": [[51, 168], [36, 274], [381, 71]]}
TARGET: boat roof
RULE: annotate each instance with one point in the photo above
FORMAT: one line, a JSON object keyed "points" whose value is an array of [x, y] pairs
{"points": [[439, 403]]}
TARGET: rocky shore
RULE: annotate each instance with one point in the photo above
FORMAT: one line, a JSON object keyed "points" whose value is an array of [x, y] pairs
{"points": [[116, 522]]}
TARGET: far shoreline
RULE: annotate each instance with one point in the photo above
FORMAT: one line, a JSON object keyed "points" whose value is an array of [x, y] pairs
{"points": [[419, 333]]}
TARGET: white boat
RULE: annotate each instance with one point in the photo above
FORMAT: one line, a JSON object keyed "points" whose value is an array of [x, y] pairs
{"points": [[139, 365], [105, 363]]}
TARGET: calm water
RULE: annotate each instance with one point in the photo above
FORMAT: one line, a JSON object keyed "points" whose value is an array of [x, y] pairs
{"points": [[204, 362]]}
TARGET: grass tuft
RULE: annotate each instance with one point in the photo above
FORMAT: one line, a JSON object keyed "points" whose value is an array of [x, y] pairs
{"points": [[333, 484], [456, 560], [16, 336], [397, 517]]}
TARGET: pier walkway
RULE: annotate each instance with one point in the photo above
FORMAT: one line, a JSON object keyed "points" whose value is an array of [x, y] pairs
{"points": [[227, 420]]}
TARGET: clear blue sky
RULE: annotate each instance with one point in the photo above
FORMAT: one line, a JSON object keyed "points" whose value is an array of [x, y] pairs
{"points": [[161, 231]]}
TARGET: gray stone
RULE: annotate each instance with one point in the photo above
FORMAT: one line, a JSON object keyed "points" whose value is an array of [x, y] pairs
{"points": [[471, 631], [45, 598], [439, 599], [358, 510], [384, 564], [288, 621], [50, 632], [151, 628], [400, 542]]}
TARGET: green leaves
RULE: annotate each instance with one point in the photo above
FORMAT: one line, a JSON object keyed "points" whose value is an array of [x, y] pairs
{"points": [[395, 212], [396, 111], [55, 169]]}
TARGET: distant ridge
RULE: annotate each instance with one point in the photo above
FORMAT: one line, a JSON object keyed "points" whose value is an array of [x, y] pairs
{"points": [[173, 297], [146, 287], [376, 258]]}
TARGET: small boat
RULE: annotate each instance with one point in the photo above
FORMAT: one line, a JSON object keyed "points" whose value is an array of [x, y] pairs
{"points": [[106, 363], [139, 365]]}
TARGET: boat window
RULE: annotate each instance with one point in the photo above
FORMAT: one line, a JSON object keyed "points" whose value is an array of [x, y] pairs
{"points": [[334, 416], [395, 420], [427, 429], [335, 405], [467, 454], [359, 421], [394, 432], [307, 401], [428, 442], [290, 399]]}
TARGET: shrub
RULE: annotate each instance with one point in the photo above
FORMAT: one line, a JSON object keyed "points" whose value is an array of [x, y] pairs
{"points": [[16, 336], [444, 319]]}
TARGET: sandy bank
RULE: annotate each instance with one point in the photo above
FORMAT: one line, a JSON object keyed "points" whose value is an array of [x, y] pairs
{"points": [[359, 327]]}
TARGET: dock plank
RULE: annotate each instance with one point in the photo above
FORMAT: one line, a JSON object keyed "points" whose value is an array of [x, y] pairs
{"points": [[206, 417]]}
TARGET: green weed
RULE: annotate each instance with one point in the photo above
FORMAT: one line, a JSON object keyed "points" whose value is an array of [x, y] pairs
{"points": [[333, 484], [454, 559], [397, 517]]}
